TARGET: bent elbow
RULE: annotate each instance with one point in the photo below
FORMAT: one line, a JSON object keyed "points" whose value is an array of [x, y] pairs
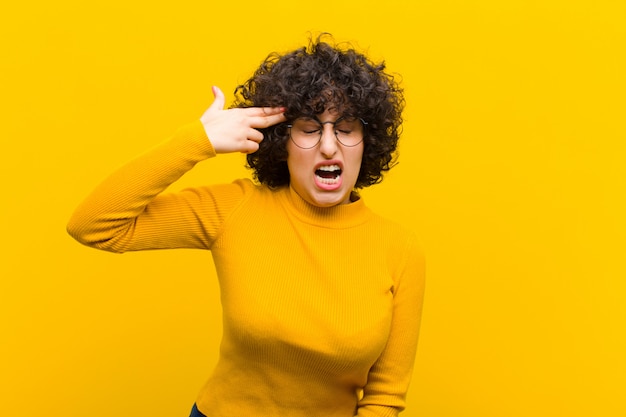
{"points": [[87, 234], [76, 229]]}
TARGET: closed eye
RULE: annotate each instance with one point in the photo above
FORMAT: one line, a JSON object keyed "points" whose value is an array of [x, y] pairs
{"points": [[311, 132]]}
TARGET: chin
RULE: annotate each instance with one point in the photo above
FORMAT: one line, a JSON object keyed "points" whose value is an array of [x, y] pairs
{"points": [[330, 200]]}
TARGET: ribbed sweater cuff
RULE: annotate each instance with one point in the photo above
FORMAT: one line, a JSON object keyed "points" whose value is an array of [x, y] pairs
{"points": [[377, 411], [195, 140]]}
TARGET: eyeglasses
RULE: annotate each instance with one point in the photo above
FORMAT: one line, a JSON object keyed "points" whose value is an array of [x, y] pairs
{"points": [[306, 132]]}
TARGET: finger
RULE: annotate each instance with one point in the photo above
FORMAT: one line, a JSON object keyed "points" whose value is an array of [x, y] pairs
{"points": [[262, 111], [255, 136], [261, 122], [218, 102], [251, 147]]}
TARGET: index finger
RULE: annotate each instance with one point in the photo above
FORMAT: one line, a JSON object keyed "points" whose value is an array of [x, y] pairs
{"points": [[264, 121], [262, 111]]}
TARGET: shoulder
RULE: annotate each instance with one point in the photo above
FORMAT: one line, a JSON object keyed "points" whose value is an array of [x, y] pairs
{"points": [[393, 229], [400, 243], [239, 194], [241, 187]]}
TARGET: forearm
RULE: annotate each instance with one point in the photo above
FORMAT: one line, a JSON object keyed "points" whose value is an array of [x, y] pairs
{"points": [[111, 210]]}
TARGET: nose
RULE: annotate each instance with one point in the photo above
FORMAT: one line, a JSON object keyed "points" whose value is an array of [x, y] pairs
{"points": [[328, 141]]}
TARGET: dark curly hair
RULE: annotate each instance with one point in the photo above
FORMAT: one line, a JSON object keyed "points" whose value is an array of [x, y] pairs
{"points": [[309, 80]]}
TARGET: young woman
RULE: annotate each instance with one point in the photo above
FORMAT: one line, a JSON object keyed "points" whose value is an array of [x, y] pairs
{"points": [[321, 297]]}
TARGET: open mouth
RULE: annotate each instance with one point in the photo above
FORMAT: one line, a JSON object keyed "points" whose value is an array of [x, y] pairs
{"points": [[328, 174]]}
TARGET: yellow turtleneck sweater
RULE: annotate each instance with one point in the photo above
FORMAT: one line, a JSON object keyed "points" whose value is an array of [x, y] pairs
{"points": [[321, 306]]}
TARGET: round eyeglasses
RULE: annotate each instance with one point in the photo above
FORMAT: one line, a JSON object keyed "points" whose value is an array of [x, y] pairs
{"points": [[306, 132]]}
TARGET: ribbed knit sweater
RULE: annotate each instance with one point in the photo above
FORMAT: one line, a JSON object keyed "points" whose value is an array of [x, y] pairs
{"points": [[321, 306]]}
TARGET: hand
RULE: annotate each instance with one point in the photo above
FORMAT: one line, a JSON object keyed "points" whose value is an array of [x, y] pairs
{"points": [[235, 130]]}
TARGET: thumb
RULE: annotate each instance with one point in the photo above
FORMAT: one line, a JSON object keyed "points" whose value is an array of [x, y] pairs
{"points": [[218, 103]]}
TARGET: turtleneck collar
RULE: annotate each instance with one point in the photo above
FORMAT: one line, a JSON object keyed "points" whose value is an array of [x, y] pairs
{"points": [[336, 217]]}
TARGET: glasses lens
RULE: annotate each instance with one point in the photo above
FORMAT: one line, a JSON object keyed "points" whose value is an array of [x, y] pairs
{"points": [[306, 132], [349, 131]]}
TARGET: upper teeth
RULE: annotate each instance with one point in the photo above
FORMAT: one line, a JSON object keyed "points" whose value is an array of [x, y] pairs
{"points": [[329, 168]]}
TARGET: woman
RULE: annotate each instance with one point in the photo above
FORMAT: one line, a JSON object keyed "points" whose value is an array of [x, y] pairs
{"points": [[321, 297]]}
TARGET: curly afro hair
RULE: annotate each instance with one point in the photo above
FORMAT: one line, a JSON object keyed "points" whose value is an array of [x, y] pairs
{"points": [[311, 79]]}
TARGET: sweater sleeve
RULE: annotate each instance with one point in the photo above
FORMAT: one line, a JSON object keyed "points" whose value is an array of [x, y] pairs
{"points": [[388, 380], [128, 212]]}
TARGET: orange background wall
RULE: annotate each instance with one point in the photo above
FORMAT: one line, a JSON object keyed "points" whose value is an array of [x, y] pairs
{"points": [[512, 171]]}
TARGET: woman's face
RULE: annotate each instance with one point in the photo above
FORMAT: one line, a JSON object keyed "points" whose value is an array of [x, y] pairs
{"points": [[325, 174]]}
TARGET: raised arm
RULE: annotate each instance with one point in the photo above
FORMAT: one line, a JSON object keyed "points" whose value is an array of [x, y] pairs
{"points": [[128, 211]]}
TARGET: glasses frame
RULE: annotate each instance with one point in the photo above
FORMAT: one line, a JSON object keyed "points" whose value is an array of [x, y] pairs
{"points": [[363, 122]]}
